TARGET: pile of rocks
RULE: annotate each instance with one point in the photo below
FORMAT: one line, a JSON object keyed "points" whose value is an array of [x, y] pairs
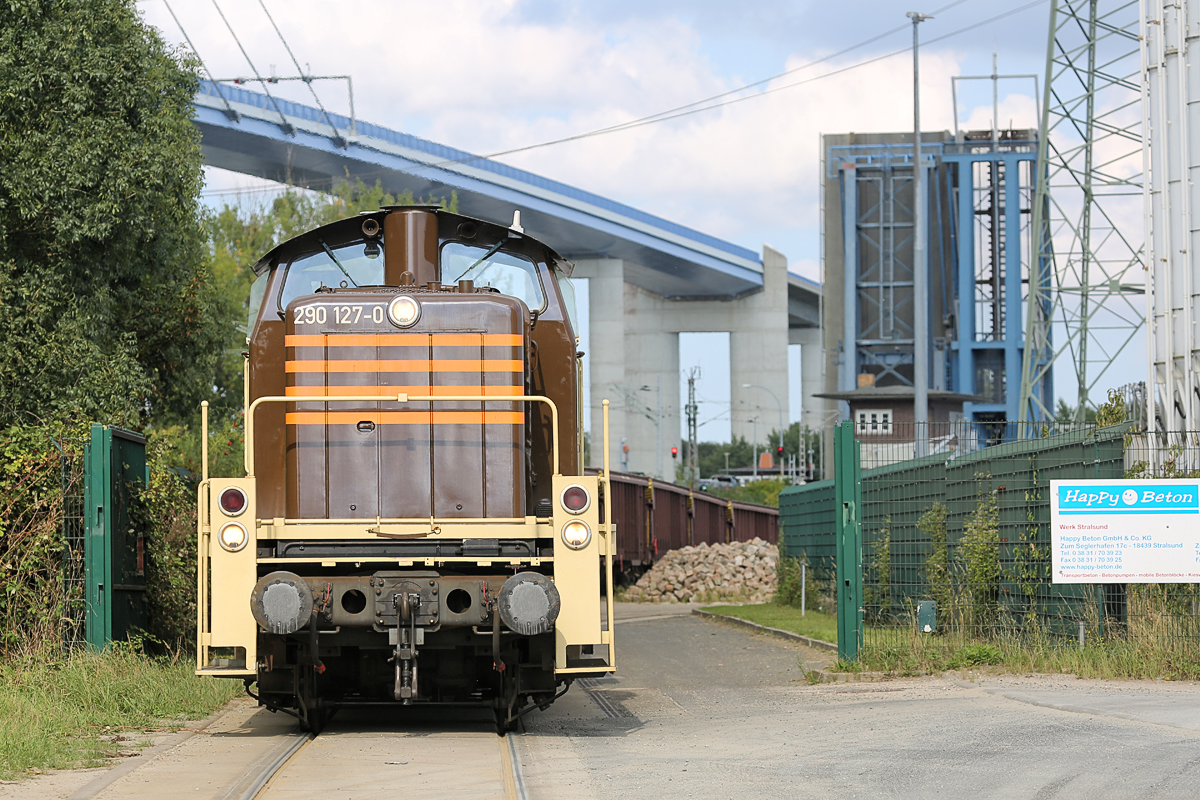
{"points": [[740, 571]]}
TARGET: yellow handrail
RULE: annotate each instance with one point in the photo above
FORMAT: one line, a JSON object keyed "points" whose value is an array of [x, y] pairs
{"points": [[395, 398], [608, 551]]}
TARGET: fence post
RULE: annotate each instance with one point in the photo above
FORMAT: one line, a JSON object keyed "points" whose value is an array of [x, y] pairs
{"points": [[114, 553], [848, 493]]}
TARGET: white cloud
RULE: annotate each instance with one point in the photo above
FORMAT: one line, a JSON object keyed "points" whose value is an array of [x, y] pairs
{"points": [[474, 75]]}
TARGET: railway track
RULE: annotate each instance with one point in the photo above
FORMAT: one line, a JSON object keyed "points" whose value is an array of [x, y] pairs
{"points": [[256, 756], [373, 763]]}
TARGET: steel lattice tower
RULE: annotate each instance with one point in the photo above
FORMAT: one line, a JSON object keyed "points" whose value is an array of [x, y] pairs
{"points": [[1086, 283]]}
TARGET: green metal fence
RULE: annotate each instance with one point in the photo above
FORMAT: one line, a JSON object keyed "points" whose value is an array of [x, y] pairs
{"points": [[971, 535], [812, 515], [959, 543]]}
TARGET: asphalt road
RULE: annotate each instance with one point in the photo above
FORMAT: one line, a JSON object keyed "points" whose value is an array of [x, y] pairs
{"points": [[703, 710]]}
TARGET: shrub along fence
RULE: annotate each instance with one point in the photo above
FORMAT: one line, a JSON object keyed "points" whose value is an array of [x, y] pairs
{"points": [[961, 543], [46, 567]]}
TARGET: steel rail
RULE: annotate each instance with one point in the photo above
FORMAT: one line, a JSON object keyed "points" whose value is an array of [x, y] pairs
{"points": [[512, 777], [260, 783]]}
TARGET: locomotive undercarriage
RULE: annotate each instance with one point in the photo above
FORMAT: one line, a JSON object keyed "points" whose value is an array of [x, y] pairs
{"points": [[404, 637]]}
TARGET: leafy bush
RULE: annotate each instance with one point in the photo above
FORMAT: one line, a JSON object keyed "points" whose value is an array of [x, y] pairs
{"points": [[974, 655], [980, 551], [31, 545], [788, 585], [937, 565]]}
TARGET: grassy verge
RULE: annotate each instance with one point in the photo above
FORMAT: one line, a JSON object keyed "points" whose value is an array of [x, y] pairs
{"points": [[914, 654], [904, 653], [817, 624], [67, 715]]}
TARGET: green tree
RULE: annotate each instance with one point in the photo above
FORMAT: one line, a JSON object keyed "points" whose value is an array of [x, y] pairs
{"points": [[105, 303]]}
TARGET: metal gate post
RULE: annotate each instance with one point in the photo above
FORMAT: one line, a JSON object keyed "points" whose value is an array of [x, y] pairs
{"points": [[115, 470], [97, 588], [848, 494]]}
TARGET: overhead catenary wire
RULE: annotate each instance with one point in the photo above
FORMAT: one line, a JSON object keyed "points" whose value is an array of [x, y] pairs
{"points": [[688, 109], [287, 126], [229, 111], [307, 82], [768, 79]]}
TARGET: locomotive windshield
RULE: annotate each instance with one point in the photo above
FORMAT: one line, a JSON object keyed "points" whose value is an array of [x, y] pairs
{"points": [[353, 265], [507, 273]]}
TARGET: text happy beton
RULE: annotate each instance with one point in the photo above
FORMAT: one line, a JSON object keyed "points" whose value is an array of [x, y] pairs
{"points": [[1102, 498]]}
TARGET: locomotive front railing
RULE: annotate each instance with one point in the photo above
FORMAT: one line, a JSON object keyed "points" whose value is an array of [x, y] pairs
{"points": [[393, 398]]}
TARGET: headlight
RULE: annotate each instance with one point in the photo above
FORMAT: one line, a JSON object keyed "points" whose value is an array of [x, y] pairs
{"points": [[576, 534], [233, 501], [575, 499], [404, 311], [233, 536]]}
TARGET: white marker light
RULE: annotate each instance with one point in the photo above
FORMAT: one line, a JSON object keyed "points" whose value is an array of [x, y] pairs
{"points": [[404, 311], [576, 534], [233, 537]]}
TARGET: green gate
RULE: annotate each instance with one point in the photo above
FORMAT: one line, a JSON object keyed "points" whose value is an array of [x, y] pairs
{"points": [[114, 550], [847, 469]]}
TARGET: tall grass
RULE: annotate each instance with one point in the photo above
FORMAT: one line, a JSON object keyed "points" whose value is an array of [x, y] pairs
{"points": [[64, 715], [1159, 637]]}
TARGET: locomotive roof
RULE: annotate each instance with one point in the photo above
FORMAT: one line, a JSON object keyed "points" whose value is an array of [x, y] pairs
{"points": [[349, 229]]}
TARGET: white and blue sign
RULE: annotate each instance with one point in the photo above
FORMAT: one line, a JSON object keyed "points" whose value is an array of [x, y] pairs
{"points": [[1121, 498], [1125, 531]]}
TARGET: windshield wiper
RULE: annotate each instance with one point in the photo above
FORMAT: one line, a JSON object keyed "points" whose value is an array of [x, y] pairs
{"points": [[339, 264], [482, 259]]}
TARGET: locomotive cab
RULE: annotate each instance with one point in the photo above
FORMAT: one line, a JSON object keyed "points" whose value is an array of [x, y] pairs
{"points": [[414, 525]]}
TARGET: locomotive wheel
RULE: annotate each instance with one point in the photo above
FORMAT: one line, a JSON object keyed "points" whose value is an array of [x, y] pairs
{"points": [[503, 724]]}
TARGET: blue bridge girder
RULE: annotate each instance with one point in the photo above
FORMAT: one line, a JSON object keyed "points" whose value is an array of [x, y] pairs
{"points": [[248, 132]]}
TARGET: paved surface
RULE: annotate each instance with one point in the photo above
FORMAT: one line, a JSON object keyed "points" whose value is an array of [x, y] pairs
{"points": [[354, 760], [705, 710], [710, 711]]}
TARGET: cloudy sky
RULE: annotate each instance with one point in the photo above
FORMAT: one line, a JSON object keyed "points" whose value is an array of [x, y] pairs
{"points": [[492, 75]]}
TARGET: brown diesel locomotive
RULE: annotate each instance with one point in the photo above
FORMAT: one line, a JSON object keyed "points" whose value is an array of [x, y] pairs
{"points": [[414, 526]]}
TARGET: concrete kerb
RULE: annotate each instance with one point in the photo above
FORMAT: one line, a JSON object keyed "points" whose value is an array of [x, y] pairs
{"points": [[807, 640], [824, 675]]}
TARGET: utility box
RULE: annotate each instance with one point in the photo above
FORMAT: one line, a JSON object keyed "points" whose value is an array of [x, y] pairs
{"points": [[115, 471], [927, 616]]}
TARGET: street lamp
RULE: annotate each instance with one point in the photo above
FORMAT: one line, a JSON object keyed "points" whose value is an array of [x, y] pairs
{"points": [[780, 405], [920, 266]]}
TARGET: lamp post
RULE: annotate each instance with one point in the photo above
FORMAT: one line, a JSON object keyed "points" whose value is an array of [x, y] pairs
{"points": [[780, 406], [754, 436], [920, 290]]}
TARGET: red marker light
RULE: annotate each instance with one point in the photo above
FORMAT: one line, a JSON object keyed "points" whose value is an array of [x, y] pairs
{"points": [[576, 499], [233, 501]]}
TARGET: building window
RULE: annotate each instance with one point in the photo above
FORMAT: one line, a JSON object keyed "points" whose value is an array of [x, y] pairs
{"points": [[874, 422]]}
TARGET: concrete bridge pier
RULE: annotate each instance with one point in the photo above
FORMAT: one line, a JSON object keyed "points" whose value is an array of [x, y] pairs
{"points": [[634, 349]]}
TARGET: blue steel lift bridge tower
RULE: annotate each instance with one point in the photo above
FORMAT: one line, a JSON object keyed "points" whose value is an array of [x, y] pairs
{"points": [[979, 211]]}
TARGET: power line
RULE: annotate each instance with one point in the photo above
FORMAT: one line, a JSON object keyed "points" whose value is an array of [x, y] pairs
{"points": [[288, 128], [229, 112], [687, 110], [307, 82]]}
